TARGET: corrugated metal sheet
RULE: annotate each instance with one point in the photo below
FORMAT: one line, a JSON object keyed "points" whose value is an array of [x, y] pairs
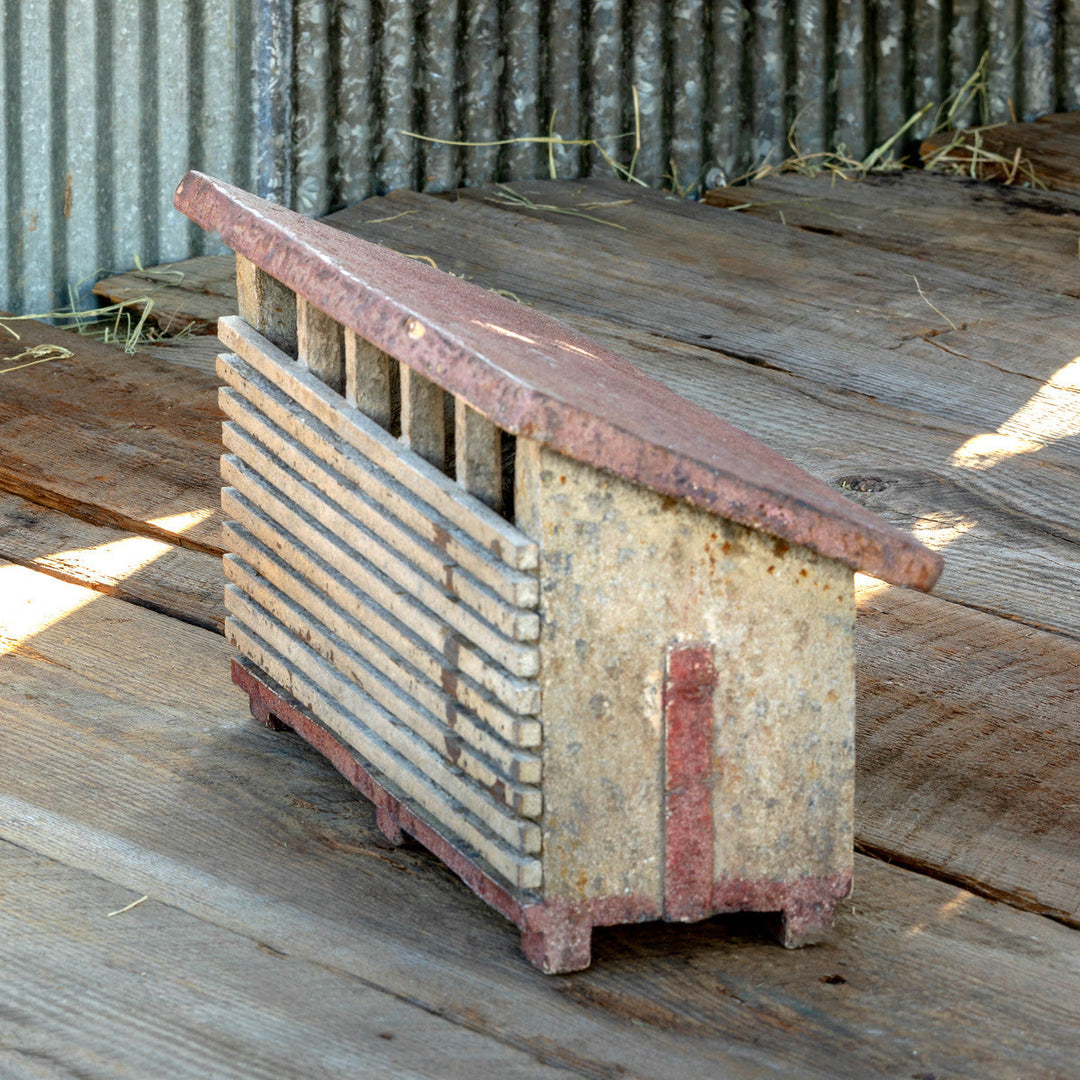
{"points": [[107, 102]]}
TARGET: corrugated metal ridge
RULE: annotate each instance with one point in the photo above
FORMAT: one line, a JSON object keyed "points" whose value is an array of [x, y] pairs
{"points": [[550, 383]]}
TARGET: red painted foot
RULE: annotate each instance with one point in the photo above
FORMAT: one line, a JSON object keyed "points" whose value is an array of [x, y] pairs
{"points": [[563, 945], [265, 716], [806, 924]]}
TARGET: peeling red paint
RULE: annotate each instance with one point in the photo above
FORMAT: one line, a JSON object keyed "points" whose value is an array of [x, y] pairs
{"points": [[689, 681], [556, 935]]}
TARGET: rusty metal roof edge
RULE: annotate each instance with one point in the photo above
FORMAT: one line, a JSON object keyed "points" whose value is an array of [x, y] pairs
{"points": [[605, 411]]}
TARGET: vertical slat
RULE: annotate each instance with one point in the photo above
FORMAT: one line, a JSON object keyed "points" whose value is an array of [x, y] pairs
{"points": [[810, 90], [274, 100], [1070, 15], [527, 515], [396, 166], [521, 40], [605, 94], [267, 305], [1001, 43], [173, 155], [369, 379], [439, 80], [31, 218], [647, 37], [320, 344], [964, 54], [423, 417], [729, 144], [1037, 45], [926, 42], [563, 84], [850, 54], [688, 93], [768, 73], [354, 61], [478, 452], [891, 109], [480, 99], [311, 136]]}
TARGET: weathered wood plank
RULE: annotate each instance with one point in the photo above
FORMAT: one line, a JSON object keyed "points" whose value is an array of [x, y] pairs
{"points": [[1008, 234], [451, 545], [1050, 144], [968, 749], [498, 536], [260, 838], [114, 439], [851, 317], [848, 343], [152, 573], [182, 293], [164, 993]]}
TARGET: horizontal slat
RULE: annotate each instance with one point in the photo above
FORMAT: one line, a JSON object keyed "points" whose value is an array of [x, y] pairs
{"points": [[517, 729], [508, 687], [257, 570], [521, 659], [371, 718], [520, 870], [499, 537], [520, 624], [515, 586]]}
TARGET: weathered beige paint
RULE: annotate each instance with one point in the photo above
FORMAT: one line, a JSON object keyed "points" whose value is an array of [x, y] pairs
{"points": [[627, 571]]}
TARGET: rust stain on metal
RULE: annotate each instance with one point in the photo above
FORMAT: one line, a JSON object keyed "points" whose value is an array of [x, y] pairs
{"points": [[534, 376]]}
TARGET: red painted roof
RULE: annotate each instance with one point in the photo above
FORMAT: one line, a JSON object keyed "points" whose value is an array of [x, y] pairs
{"points": [[534, 376]]}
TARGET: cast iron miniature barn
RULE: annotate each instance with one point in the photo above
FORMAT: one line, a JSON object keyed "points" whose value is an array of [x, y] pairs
{"points": [[588, 643]]}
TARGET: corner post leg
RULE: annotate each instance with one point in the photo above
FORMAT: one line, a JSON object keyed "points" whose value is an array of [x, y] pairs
{"points": [[558, 941]]}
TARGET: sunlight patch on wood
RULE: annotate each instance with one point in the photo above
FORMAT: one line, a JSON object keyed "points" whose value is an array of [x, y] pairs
{"points": [[32, 603], [941, 528], [179, 523], [1052, 414]]}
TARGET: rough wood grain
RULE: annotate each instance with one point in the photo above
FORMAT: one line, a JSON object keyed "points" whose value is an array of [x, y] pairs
{"points": [[152, 573], [182, 294], [1050, 144], [968, 749], [161, 992], [1009, 234], [840, 314], [115, 439], [860, 388], [1017, 517], [175, 793]]}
